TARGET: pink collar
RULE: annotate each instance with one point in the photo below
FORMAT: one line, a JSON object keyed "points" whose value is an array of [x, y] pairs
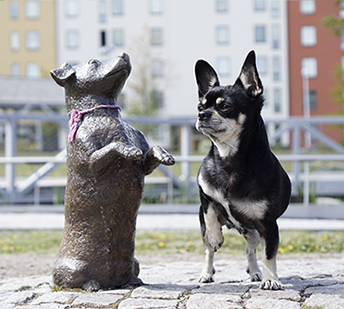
{"points": [[76, 117]]}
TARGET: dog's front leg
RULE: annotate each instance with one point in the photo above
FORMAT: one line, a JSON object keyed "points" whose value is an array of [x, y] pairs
{"points": [[212, 238], [253, 240], [269, 242]]}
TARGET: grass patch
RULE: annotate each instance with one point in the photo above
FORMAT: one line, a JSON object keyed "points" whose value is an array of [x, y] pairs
{"points": [[173, 242]]}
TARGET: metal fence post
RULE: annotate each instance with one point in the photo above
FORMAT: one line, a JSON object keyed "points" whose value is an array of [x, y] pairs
{"points": [[10, 151], [185, 144]]}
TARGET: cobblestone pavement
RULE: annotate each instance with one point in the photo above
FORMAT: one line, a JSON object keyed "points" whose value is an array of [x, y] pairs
{"points": [[307, 283]]}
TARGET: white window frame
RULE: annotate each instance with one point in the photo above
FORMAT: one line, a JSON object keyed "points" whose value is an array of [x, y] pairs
{"points": [[221, 6], [310, 65], [156, 7], [222, 34], [260, 34], [223, 66], [262, 65], [14, 41], [32, 40], [15, 69], [72, 39], [117, 7], [308, 35], [276, 36], [14, 9], [157, 67], [32, 70], [71, 8], [32, 9], [118, 37], [157, 36], [307, 7], [259, 5]]}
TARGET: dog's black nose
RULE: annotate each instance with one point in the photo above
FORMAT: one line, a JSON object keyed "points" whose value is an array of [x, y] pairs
{"points": [[203, 115]]}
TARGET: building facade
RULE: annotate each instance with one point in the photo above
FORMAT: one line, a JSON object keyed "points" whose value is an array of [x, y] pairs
{"points": [[315, 50], [165, 38], [27, 36]]}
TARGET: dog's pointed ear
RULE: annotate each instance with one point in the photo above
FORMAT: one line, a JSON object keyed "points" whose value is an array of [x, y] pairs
{"points": [[63, 74], [249, 77], [206, 77]]}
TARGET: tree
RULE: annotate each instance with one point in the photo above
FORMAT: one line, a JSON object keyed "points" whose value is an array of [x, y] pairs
{"points": [[336, 24]]}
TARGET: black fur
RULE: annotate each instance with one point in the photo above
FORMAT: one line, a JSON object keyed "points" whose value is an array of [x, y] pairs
{"points": [[245, 173]]}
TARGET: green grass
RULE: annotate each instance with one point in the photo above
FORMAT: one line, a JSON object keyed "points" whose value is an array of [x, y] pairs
{"points": [[174, 242]]}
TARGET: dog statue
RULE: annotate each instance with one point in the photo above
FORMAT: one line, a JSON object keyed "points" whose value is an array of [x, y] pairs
{"points": [[107, 160], [242, 184]]}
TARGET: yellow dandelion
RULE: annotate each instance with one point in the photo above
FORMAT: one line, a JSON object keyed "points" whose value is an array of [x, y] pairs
{"points": [[161, 244]]}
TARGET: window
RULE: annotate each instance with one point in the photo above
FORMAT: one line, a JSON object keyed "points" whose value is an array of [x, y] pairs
{"points": [[159, 99], [275, 32], [102, 38], [310, 67], [313, 100], [33, 70], [308, 35], [32, 40], [277, 100], [276, 68], [260, 34], [307, 7], [15, 69], [223, 66], [118, 37], [275, 8], [221, 6], [156, 36], [117, 7], [155, 6], [72, 39], [259, 5], [71, 8], [102, 11], [14, 9], [222, 34], [14, 41], [262, 65], [157, 68], [32, 9]]}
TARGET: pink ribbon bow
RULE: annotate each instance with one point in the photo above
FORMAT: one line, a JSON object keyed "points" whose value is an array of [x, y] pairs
{"points": [[76, 117]]}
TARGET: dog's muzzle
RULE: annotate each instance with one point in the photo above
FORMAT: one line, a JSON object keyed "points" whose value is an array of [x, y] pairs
{"points": [[204, 115]]}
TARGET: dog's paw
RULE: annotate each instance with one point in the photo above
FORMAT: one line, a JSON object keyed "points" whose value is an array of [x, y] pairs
{"points": [[255, 275], [206, 278], [271, 284]]}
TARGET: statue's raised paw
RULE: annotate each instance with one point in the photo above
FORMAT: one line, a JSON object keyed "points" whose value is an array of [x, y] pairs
{"points": [[161, 155]]}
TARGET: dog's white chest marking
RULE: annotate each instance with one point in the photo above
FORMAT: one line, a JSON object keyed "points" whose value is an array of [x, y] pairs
{"points": [[227, 143], [250, 209]]}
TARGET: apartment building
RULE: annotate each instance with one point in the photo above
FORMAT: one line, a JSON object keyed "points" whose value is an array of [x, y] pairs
{"points": [[27, 36], [166, 37], [315, 50]]}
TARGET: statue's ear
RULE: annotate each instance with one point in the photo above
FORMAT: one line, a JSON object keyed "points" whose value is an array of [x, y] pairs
{"points": [[63, 74]]}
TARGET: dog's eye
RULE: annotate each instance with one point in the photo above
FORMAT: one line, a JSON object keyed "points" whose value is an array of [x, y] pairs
{"points": [[200, 108], [225, 106]]}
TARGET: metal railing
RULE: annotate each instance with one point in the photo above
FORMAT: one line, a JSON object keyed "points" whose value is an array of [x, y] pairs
{"points": [[292, 129]]}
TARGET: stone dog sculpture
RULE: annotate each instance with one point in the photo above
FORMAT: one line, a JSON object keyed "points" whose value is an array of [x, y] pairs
{"points": [[107, 160]]}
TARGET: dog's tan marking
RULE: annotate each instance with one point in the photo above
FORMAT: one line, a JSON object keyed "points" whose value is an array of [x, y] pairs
{"points": [[219, 100], [204, 102]]}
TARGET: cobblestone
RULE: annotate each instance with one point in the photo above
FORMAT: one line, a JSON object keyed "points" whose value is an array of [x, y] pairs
{"points": [[306, 282]]}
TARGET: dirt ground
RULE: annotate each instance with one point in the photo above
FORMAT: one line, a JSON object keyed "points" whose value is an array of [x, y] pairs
{"points": [[19, 265]]}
